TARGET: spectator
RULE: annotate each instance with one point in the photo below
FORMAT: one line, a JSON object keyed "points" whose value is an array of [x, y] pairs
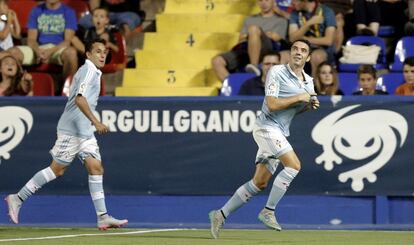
{"points": [[392, 14], [255, 86], [9, 26], [52, 26], [367, 79], [100, 18], [407, 88], [316, 23], [120, 14], [326, 80], [409, 26], [259, 31], [367, 17], [14, 81], [345, 26]]}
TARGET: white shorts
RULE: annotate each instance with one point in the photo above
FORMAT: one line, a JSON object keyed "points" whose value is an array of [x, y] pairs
{"points": [[272, 144], [67, 147]]}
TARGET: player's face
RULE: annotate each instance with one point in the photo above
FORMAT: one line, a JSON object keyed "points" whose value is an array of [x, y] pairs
{"points": [[266, 6], [100, 18], [299, 54], [408, 74], [268, 62], [9, 67], [98, 54], [367, 81], [326, 75]]}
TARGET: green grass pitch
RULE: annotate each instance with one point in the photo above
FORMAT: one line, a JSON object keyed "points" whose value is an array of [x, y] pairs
{"points": [[10, 235]]}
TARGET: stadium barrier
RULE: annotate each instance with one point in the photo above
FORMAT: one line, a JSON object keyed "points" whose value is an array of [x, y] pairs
{"points": [[356, 155]]}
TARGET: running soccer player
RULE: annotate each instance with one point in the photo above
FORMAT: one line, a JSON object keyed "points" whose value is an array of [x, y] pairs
{"points": [[289, 91], [75, 137]]}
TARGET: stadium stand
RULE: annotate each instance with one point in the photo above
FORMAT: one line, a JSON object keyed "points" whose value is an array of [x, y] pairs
{"points": [[404, 49], [81, 7], [366, 40], [390, 81], [348, 82], [22, 9], [118, 59], [43, 84], [189, 34], [235, 81]]}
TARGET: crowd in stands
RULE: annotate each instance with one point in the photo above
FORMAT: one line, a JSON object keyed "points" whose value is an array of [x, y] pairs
{"points": [[327, 25], [56, 34], [56, 39]]}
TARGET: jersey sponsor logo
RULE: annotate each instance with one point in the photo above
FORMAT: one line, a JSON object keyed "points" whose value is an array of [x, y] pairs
{"points": [[15, 123], [370, 136]]}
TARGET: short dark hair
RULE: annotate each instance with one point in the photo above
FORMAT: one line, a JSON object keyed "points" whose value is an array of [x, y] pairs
{"points": [[409, 61], [89, 44], [367, 69], [101, 8], [271, 53], [303, 41]]}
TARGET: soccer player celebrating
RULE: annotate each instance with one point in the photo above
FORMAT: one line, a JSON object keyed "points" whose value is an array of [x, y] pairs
{"points": [[289, 91], [75, 137]]}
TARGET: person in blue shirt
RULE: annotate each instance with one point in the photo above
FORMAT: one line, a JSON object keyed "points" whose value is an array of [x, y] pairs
{"points": [[75, 138], [316, 23], [288, 91], [51, 27]]}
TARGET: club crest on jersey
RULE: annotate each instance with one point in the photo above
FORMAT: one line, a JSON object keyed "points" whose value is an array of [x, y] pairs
{"points": [[15, 123], [359, 136]]}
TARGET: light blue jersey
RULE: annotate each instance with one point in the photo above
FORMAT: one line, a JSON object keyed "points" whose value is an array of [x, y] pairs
{"points": [[86, 82], [282, 82]]}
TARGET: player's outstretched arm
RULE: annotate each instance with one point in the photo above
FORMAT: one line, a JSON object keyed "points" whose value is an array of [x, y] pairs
{"points": [[83, 105]]}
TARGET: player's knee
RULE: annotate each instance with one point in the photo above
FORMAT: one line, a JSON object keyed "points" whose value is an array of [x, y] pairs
{"points": [[69, 54], [59, 172], [254, 30], [261, 184], [218, 61], [296, 166]]}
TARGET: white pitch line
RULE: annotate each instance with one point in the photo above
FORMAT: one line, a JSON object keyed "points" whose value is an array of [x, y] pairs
{"points": [[91, 234]]}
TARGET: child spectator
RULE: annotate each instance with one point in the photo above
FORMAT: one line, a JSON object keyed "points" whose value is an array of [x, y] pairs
{"points": [[100, 19], [407, 88], [14, 81], [367, 79], [326, 80], [9, 26], [121, 14]]}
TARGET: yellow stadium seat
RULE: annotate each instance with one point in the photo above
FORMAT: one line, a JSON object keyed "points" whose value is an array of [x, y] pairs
{"points": [[244, 7], [164, 78], [172, 59], [190, 41], [154, 91], [169, 78], [199, 22]]}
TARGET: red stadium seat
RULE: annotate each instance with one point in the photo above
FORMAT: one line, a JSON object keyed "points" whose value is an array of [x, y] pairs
{"points": [[22, 9], [81, 7], [118, 60], [43, 84]]}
